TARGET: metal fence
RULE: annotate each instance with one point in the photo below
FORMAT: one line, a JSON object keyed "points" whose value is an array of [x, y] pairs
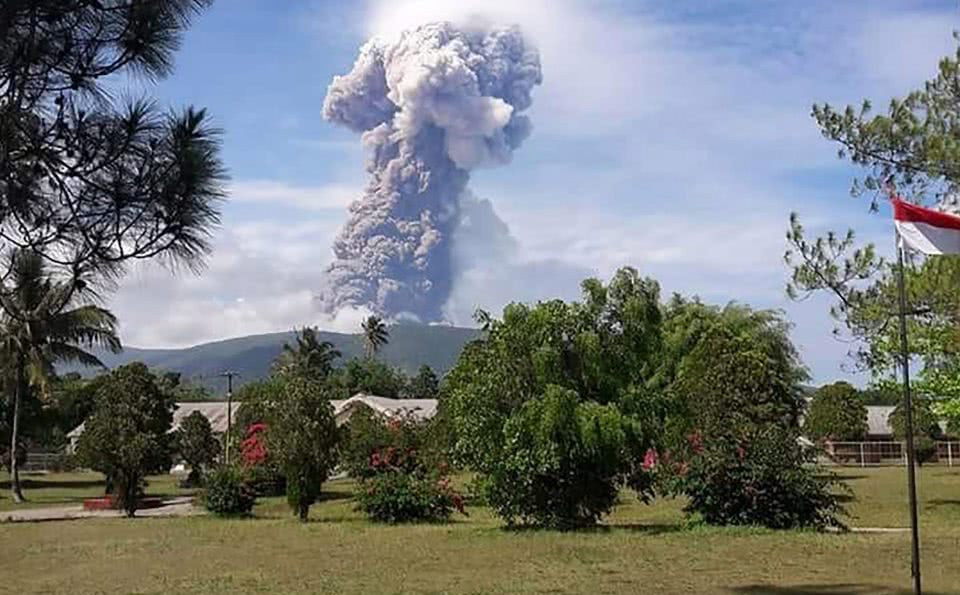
{"points": [[873, 454]]}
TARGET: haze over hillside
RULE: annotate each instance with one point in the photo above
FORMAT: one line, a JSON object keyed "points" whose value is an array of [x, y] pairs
{"points": [[410, 346]]}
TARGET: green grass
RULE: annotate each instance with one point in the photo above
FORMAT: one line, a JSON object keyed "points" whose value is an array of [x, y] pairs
{"points": [[641, 549]]}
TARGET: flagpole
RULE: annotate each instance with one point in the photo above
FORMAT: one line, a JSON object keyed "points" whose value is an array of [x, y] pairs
{"points": [[908, 404]]}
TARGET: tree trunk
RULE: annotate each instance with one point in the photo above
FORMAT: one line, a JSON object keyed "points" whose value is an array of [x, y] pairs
{"points": [[304, 511], [15, 434]]}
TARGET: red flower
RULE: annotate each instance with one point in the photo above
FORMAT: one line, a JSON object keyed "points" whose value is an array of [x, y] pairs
{"points": [[650, 459]]}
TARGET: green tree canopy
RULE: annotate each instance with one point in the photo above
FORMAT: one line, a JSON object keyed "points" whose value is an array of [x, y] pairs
{"points": [[370, 376], [128, 435], [309, 357], [303, 437], [837, 412], [424, 385], [197, 445], [603, 349]]}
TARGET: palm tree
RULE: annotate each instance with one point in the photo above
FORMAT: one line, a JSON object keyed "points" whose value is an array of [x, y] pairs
{"points": [[375, 335], [44, 322], [310, 357]]}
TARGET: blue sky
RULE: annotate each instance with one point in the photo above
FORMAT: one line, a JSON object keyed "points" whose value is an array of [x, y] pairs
{"points": [[671, 136]]}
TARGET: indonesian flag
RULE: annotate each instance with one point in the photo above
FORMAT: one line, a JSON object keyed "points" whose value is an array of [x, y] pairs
{"points": [[926, 230]]}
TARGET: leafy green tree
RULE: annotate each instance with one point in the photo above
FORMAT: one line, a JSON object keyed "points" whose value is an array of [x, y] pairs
{"points": [[44, 322], [424, 385], [197, 445], [728, 383], [303, 437], [837, 412], [370, 376], [309, 358], [128, 435], [562, 462], [375, 335], [926, 428], [604, 349]]}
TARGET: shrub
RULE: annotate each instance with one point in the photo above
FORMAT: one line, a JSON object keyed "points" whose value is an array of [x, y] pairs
{"points": [[398, 496], [762, 478], [228, 493], [837, 413], [562, 462], [367, 433], [127, 435]]}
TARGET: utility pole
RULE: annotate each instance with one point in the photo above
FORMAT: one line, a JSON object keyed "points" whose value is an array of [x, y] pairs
{"points": [[229, 376]]}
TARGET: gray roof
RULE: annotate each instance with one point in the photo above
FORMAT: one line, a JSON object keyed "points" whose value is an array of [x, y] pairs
{"points": [[214, 411], [878, 420], [422, 409]]}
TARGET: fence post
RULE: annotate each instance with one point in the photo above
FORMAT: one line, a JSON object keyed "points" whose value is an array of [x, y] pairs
{"points": [[903, 453], [863, 460], [949, 454]]}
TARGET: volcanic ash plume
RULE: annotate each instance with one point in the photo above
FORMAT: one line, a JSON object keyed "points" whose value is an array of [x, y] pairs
{"points": [[433, 105]]}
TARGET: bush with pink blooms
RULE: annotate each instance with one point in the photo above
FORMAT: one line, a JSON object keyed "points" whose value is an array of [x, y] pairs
{"points": [[398, 487]]}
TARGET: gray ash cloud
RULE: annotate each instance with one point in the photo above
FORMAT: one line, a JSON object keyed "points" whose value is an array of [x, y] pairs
{"points": [[431, 106]]}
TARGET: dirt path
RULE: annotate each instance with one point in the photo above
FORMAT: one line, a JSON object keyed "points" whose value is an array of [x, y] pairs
{"points": [[181, 506]]}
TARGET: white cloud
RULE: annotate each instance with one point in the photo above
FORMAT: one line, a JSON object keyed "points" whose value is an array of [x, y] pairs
{"points": [[281, 194]]}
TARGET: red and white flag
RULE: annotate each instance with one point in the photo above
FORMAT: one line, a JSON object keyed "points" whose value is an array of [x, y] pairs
{"points": [[926, 230]]}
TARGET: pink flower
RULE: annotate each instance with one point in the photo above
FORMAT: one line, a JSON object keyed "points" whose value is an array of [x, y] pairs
{"points": [[696, 442], [741, 453], [650, 459]]}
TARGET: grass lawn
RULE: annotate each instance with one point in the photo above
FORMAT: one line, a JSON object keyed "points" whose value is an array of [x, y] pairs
{"points": [[641, 549]]}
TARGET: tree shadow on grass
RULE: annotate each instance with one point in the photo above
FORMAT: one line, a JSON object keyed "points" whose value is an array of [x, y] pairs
{"points": [[334, 496], [33, 484], [940, 502], [643, 528], [822, 589]]}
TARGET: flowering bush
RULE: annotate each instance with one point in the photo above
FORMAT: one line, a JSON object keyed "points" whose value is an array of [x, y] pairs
{"points": [[397, 487], [228, 493], [760, 478], [260, 472], [397, 497]]}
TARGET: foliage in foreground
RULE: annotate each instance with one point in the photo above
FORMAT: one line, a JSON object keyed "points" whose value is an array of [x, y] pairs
{"points": [[127, 436], [228, 493]]}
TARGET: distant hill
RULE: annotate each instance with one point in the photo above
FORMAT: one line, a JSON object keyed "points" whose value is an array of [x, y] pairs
{"points": [[410, 346]]}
